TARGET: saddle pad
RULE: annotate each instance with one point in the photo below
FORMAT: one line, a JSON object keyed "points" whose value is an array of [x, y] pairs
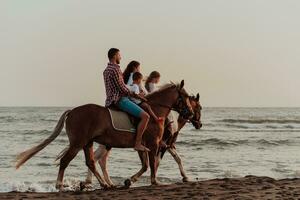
{"points": [[121, 122]]}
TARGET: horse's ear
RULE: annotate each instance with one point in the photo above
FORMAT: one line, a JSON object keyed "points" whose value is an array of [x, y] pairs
{"points": [[181, 84], [197, 97]]}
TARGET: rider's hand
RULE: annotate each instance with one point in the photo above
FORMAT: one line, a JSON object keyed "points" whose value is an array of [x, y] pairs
{"points": [[142, 98], [138, 97], [142, 93]]}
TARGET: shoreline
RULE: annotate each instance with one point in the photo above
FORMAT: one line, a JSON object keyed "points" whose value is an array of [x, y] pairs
{"points": [[248, 187]]}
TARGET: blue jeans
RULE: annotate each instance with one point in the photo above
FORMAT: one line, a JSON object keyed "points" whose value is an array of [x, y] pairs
{"points": [[130, 107]]}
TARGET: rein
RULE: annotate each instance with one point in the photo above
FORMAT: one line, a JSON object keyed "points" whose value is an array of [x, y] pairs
{"points": [[161, 105]]}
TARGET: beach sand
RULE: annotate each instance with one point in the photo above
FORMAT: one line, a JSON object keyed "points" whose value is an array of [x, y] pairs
{"points": [[249, 187]]}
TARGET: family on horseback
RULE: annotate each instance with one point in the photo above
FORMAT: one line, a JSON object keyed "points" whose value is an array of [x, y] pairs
{"points": [[91, 123], [129, 97]]}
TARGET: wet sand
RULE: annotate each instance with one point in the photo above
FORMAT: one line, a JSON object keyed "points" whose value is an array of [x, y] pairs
{"points": [[249, 187]]}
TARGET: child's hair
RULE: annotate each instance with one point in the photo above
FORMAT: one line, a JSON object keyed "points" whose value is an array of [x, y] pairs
{"points": [[136, 76], [153, 75], [129, 69]]}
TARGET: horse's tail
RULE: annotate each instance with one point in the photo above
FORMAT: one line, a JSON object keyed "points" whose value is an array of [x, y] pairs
{"points": [[26, 155]]}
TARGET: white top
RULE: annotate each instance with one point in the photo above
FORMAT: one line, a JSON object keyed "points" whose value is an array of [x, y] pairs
{"points": [[141, 86], [152, 87], [143, 89], [130, 80], [136, 89]]}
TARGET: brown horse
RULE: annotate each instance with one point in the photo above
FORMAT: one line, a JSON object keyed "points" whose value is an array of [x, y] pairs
{"points": [[91, 123], [170, 139], [102, 152]]}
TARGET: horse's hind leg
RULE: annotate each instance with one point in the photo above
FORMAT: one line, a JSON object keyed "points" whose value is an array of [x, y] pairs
{"points": [[90, 162], [177, 158], [102, 162], [145, 164], [64, 162], [98, 155]]}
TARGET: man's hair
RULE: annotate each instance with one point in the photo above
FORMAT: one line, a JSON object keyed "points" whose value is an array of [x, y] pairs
{"points": [[136, 76], [112, 52]]}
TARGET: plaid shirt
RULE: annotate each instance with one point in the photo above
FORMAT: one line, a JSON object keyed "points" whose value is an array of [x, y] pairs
{"points": [[114, 84]]}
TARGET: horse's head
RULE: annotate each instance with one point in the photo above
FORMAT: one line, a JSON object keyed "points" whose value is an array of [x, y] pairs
{"points": [[196, 119], [183, 105]]}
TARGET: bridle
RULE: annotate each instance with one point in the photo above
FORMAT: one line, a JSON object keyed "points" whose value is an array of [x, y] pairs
{"points": [[184, 112], [195, 121], [183, 109]]}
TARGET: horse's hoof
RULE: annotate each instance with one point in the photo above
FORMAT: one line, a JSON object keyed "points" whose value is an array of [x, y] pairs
{"points": [[185, 179], [82, 185], [127, 183], [105, 186], [59, 187], [66, 185], [155, 183]]}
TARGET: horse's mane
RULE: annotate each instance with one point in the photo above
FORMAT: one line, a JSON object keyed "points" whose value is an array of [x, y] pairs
{"points": [[163, 88]]}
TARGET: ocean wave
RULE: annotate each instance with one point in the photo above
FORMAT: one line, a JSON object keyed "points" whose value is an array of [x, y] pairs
{"points": [[64, 140], [249, 130], [271, 127], [43, 164], [7, 119], [19, 186], [50, 120], [237, 126], [213, 141], [38, 132], [42, 132], [216, 141], [261, 121], [228, 143], [289, 127], [278, 130], [274, 142]]}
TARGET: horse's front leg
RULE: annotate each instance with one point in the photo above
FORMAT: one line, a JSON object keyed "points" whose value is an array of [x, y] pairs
{"points": [[177, 158], [145, 164]]}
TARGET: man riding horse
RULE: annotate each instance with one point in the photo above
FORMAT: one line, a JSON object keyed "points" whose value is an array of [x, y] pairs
{"points": [[118, 94]]}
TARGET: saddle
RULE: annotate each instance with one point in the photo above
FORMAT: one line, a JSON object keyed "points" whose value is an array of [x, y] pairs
{"points": [[122, 121]]}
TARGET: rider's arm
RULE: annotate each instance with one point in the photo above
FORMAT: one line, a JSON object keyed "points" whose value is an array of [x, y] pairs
{"points": [[118, 79], [140, 97], [136, 93]]}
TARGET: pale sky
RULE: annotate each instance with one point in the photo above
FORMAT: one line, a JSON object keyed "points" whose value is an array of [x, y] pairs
{"points": [[233, 52]]}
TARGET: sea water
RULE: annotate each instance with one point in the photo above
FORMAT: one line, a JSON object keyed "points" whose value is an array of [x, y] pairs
{"points": [[233, 142]]}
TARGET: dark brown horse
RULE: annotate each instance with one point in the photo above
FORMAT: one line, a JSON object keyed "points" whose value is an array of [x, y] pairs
{"points": [[91, 123], [102, 152], [170, 139]]}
